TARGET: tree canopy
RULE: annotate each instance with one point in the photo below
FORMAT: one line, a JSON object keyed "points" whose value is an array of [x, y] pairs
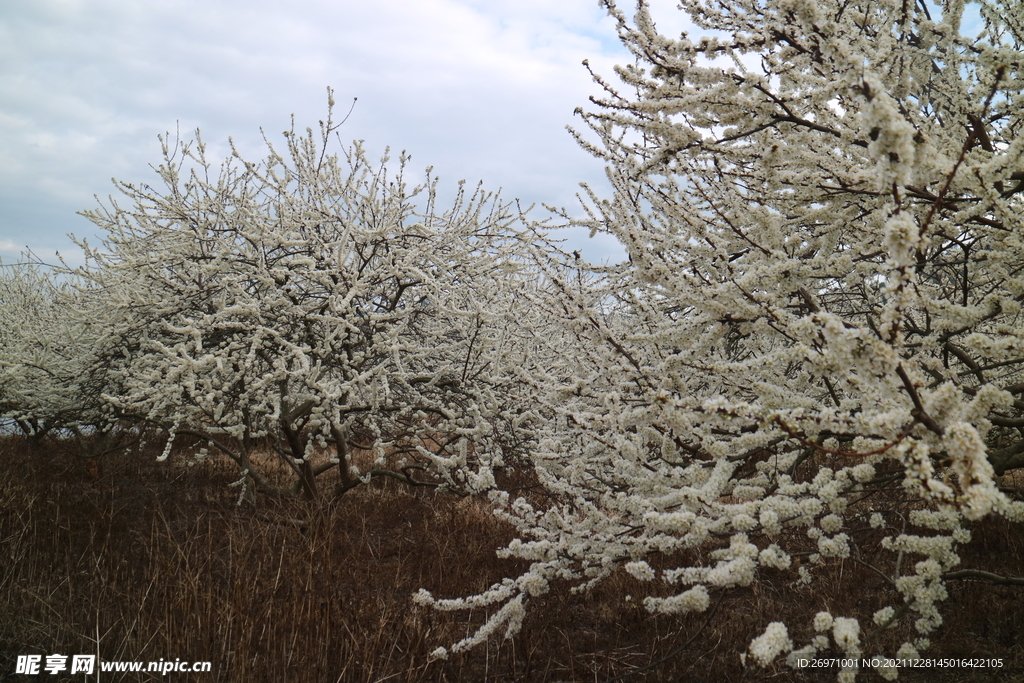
{"points": [[814, 348], [312, 302]]}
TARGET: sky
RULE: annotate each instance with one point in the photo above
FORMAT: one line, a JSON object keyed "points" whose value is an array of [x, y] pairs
{"points": [[482, 90]]}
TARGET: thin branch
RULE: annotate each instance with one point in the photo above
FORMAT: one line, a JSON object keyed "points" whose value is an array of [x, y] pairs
{"points": [[981, 575]]}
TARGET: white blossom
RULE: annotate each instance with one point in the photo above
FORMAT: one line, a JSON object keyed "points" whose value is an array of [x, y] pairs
{"points": [[823, 621], [694, 600], [640, 570], [846, 633], [883, 616], [770, 644]]}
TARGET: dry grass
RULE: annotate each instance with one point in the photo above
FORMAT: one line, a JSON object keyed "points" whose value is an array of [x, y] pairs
{"points": [[156, 561]]}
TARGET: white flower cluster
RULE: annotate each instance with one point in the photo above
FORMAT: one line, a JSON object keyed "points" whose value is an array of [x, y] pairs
{"points": [[902, 239], [640, 570], [823, 621], [694, 600], [770, 644], [846, 634], [774, 556], [838, 546], [883, 616], [830, 524], [939, 548]]}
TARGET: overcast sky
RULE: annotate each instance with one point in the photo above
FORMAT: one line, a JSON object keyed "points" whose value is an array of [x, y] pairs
{"points": [[478, 89]]}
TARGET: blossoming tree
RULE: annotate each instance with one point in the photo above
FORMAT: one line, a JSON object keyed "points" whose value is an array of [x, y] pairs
{"points": [[318, 305], [815, 346], [53, 363], [39, 370]]}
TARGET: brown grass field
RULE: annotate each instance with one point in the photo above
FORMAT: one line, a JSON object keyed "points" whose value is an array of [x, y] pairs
{"points": [[155, 561]]}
